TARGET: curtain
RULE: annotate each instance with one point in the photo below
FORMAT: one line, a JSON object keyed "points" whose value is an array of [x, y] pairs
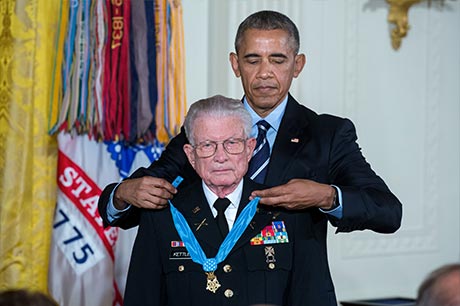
{"points": [[28, 155]]}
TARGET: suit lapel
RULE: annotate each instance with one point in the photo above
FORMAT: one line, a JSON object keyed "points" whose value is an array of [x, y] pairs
{"points": [[290, 139]]}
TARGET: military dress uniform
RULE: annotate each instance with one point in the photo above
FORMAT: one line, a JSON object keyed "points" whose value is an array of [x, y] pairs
{"points": [[258, 270]]}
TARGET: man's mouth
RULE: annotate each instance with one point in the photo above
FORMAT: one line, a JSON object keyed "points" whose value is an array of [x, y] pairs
{"points": [[264, 88]]}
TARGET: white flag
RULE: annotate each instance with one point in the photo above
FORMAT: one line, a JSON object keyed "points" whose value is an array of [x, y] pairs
{"points": [[88, 264]]}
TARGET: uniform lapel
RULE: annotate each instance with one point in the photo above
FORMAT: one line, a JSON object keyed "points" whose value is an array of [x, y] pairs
{"points": [[195, 209], [260, 219], [291, 138]]}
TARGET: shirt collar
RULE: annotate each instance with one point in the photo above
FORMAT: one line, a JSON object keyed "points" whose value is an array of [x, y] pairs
{"points": [[234, 196], [274, 118]]}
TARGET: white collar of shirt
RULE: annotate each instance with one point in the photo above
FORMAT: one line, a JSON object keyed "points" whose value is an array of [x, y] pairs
{"points": [[234, 197], [274, 118]]}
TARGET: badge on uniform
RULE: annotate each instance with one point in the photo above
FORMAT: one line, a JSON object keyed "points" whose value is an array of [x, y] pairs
{"points": [[177, 244], [178, 251], [270, 257], [271, 234]]}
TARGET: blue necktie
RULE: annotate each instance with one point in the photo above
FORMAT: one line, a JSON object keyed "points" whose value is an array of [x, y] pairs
{"points": [[261, 156]]}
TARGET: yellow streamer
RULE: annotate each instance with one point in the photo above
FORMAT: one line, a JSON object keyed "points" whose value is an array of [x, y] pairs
{"points": [[56, 81], [171, 107], [177, 103]]}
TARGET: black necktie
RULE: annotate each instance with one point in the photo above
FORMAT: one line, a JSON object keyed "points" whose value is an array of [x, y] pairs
{"points": [[221, 205], [261, 156]]}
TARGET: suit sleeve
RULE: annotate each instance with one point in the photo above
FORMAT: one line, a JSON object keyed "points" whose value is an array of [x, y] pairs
{"points": [[171, 163], [367, 201]]}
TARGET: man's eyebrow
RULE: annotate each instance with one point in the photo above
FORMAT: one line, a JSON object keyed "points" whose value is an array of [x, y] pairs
{"points": [[251, 55], [278, 55]]}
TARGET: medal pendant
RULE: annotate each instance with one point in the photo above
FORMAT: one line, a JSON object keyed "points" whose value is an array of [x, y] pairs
{"points": [[212, 284]]}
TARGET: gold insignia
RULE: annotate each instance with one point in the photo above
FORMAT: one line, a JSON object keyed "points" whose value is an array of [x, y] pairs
{"points": [[199, 225], [212, 284]]}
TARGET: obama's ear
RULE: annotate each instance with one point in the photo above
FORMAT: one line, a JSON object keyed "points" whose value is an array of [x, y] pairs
{"points": [[234, 62], [299, 62]]}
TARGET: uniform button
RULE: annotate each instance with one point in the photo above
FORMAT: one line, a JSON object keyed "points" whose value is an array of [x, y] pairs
{"points": [[271, 266], [228, 293], [227, 268], [181, 268]]}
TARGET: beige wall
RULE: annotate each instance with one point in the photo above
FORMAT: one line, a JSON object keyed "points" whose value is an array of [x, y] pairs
{"points": [[405, 105]]}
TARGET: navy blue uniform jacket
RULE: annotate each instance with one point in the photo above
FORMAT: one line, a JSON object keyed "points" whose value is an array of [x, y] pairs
{"points": [[162, 273]]}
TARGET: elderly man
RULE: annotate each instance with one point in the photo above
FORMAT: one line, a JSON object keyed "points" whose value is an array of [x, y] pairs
{"points": [[180, 256]]}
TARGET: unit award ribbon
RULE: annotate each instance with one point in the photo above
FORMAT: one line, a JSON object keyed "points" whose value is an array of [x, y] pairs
{"points": [[194, 248]]}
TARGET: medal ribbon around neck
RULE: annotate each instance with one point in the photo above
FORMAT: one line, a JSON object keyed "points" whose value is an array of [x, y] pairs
{"points": [[192, 245]]}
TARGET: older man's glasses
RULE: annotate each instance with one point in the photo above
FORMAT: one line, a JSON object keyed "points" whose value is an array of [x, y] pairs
{"points": [[231, 146]]}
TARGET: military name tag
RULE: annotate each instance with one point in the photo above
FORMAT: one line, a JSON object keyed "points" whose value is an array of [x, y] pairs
{"points": [[212, 284], [179, 253]]}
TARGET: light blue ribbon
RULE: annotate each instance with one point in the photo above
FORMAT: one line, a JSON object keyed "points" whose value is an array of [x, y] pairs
{"points": [[194, 248]]}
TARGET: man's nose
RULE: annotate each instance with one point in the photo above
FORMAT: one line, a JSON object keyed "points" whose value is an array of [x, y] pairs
{"points": [[265, 70], [221, 154]]}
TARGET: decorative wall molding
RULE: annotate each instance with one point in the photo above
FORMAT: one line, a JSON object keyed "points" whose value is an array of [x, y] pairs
{"points": [[351, 59], [424, 235]]}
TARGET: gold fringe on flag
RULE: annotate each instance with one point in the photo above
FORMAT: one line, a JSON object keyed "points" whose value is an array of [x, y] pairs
{"points": [[177, 98]]}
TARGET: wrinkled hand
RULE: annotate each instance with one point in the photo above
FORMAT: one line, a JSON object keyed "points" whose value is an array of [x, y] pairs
{"points": [[145, 192], [297, 194]]}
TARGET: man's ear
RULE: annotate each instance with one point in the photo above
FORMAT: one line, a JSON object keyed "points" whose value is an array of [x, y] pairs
{"points": [[300, 61], [234, 62], [188, 149]]}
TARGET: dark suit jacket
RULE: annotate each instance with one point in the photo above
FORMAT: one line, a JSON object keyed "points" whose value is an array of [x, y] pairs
{"points": [[322, 148], [161, 273]]}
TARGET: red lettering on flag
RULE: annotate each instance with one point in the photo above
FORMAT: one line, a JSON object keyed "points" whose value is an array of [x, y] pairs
{"points": [[84, 194]]}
